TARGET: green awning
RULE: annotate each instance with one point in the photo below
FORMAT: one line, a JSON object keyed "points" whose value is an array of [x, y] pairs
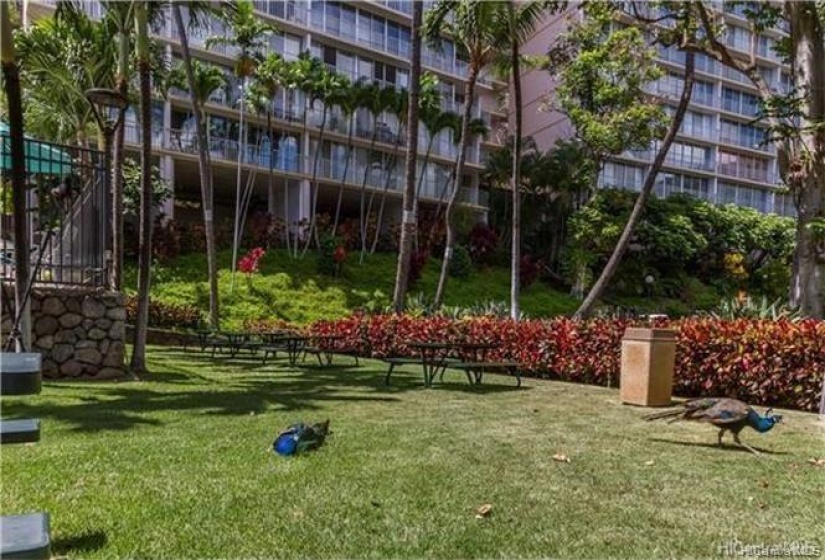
{"points": [[41, 158]]}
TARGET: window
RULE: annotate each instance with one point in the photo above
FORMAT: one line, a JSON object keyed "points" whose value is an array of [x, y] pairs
{"points": [[743, 135], [619, 175], [697, 125], [702, 93], [333, 18], [747, 167], [348, 22], [740, 102], [687, 155], [695, 186], [393, 38], [738, 38], [377, 33]]}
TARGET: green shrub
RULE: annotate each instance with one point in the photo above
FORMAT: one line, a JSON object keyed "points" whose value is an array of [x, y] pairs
{"points": [[461, 265], [165, 315]]}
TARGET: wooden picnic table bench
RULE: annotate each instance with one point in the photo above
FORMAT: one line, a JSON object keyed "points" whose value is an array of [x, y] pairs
{"points": [[475, 370]]}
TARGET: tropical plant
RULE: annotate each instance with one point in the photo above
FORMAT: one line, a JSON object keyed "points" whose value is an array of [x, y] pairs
{"points": [[250, 35], [329, 88], [475, 26], [410, 200], [144, 65], [348, 104], [201, 81]]}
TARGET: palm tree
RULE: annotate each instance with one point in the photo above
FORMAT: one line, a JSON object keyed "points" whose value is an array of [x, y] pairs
{"points": [[519, 21], [249, 35], [348, 103], [301, 75], [429, 99], [376, 100], [329, 88], [269, 80], [476, 128], [408, 219], [201, 80], [11, 87], [397, 107], [144, 65], [475, 27]]}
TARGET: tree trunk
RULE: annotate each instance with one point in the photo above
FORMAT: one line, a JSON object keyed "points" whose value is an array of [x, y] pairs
{"points": [[380, 221], [409, 219], [11, 81], [365, 218], [313, 209], [469, 90], [344, 179], [145, 242], [119, 154], [205, 169], [805, 172], [638, 208], [420, 184], [515, 183]]}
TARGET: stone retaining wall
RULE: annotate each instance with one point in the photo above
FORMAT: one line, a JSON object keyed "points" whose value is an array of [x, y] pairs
{"points": [[79, 332]]}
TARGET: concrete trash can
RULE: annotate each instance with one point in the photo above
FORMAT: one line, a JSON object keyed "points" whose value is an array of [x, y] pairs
{"points": [[648, 360]]}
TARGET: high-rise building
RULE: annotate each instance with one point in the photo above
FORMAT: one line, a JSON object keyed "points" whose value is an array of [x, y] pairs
{"points": [[720, 154], [360, 40]]}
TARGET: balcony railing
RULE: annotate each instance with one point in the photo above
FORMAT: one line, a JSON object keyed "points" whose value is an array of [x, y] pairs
{"points": [[379, 177]]}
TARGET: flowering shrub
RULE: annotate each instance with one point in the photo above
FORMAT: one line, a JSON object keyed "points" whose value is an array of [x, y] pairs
{"points": [[771, 363], [248, 264]]}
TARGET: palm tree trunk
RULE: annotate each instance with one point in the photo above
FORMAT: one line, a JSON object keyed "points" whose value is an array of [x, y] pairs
{"points": [[409, 221], [365, 217], [515, 262], [380, 221], [315, 188], [122, 85], [420, 184], [145, 244], [205, 169], [469, 90], [638, 208], [11, 85], [344, 178], [236, 237]]}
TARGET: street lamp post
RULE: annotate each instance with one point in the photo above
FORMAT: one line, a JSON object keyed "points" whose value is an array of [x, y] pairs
{"points": [[101, 101]]}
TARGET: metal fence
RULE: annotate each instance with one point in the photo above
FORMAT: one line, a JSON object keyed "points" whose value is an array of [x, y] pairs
{"points": [[67, 214]]}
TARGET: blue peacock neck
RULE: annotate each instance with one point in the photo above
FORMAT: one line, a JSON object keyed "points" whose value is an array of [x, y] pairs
{"points": [[759, 423]]}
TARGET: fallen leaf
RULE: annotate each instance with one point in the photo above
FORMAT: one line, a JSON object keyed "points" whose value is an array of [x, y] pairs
{"points": [[649, 463], [483, 511], [764, 483], [817, 462], [561, 458]]}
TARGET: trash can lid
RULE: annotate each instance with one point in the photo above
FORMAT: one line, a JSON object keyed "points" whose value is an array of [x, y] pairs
{"points": [[641, 333], [25, 362]]}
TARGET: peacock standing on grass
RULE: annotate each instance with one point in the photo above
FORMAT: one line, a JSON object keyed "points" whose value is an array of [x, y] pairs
{"points": [[726, 414]]}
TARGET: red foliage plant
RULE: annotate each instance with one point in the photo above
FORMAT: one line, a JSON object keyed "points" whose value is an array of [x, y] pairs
{"points": [[248, 264], [762, 362]]}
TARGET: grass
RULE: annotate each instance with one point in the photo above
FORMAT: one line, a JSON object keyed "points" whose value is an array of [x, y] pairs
{"points": [[180, 466], [292, 290]]}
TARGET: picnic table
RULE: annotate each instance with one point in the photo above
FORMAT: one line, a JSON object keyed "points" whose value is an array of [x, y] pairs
{"points": [[234, 342], [290, 341], [436, 357]]}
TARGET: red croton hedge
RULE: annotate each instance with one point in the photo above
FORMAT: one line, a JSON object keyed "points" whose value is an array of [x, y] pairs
{"points": [[772, 363]]}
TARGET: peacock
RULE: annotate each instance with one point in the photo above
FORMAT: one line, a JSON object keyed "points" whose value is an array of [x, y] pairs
{"points": [[301, 437], [726, 414]]}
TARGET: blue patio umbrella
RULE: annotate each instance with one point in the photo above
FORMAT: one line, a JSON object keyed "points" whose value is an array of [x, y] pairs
{"points": [[41, 157]]}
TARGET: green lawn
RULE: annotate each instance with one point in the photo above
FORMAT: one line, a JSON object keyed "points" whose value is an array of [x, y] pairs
{"points": [[181, 466]]}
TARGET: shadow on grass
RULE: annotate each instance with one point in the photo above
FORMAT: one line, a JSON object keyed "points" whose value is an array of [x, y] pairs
{"points": [[245, 387], [88, 541], [724, 447]]}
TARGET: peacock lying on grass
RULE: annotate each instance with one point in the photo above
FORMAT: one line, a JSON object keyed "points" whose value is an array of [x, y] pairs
{"points": [[301, 437], [726, 414]]}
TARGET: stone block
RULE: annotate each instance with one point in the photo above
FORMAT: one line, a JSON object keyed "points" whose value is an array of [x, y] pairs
{"points": [[97, 334], [92, 308], [45, 342], [70, 320], [53, 306], [116, 314], [88, 356], [45, 325], [71, 368], [62, 352]]}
